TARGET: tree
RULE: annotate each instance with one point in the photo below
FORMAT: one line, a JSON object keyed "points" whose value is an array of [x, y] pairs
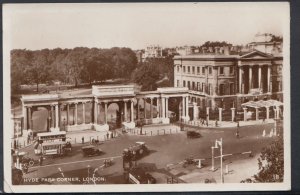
{"points": [[270, 163], [19, 60], [38, 70], [146, 75]]}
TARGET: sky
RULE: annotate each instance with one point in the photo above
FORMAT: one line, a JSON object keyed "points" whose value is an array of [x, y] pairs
{"points": [[137, 25]]}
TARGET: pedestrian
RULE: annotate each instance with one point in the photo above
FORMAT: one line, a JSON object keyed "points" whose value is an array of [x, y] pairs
{"points": [[237, 133], [82, 139], [41, 160], [216, 123], [107, 135], [15, 144]]}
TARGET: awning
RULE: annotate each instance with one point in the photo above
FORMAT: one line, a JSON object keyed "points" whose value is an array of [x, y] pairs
{"points": [[262, 103]]}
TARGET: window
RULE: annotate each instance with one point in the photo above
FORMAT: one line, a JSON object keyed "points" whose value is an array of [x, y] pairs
{"points": [[210, 70], [222, 89], [231, 88], [198, 86], [198, 70], [193, 85], [177, 83], [209, 89], [189, 85], [184, 69], [231, 70], [203, 70], [222, 70], [203, 87], [193, 70], [177, 68], [189, 70], [183, 83]]}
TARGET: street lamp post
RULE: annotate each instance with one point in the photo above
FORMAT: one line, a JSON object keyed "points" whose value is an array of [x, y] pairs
{"points": [[88, 173], [219, 143], [212, 159], [64, 123]]}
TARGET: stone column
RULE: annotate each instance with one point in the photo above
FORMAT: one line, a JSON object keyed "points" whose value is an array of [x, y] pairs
{"points": [[183, 107], [76, 113], [131, 109], [259, 77], [125, 111], [187, 107], [232, 114], [277, 112], [245, 114], [56, 116], [256, 114], [207, 113], [163, 115], [240, 80], [68, 113], [158, 107], [52, 116], [151, 108], [167, 107], [105, 111], [24, 110], [269, 78], [98, 116], [145, 112], [267, 112], [195, 111], [83, 112], [95, 112], [137, 109], [29, 118], [220, 114], [250, 78]]}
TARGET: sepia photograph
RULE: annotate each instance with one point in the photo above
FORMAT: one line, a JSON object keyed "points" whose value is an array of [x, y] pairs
{"points": [[100, 97]]}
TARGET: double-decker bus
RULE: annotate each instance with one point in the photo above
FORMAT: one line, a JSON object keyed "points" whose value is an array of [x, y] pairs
{"points": [[51, 136]]}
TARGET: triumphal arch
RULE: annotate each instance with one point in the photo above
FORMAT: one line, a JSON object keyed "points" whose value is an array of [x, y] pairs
{"points": [[64, 109]]}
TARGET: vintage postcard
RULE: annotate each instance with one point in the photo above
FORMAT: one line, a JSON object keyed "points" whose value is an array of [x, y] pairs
{"points": [[120, 97]]}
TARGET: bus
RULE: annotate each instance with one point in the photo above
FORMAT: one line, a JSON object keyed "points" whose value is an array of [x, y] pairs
{"points": [[51, 136], [55, 148]]}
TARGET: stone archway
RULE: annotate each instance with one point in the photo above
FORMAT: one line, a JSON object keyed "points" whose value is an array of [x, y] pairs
{"points": [[114, 115], [41, 119]]}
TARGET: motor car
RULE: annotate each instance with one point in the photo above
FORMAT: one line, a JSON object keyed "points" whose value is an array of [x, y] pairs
{"points": [[91, 151], [193, 134], [139, 149]]}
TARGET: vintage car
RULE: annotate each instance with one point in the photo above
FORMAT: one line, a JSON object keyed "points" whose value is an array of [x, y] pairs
{"points": [[139, 149], [91, 151], [193, 134]]}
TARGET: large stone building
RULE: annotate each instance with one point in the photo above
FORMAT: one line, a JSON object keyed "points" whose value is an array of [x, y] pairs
{"points": [[226, 80]]}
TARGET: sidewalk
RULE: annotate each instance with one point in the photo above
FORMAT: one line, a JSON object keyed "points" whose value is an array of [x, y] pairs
{"points": [[225, 124], [88, 135]]}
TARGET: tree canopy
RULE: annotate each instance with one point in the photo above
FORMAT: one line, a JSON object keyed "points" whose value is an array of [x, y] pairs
{"points": [[70, 66]]}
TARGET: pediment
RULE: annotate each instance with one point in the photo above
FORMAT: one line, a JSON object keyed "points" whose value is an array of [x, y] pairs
{"points": [[255, 55]]}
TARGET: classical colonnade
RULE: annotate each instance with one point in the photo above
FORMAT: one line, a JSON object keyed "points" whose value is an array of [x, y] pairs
{"points": [[129, 107], [242, 79]]}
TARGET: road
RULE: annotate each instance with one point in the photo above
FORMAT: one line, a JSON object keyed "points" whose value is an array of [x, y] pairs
{"points": [[164, 150]]}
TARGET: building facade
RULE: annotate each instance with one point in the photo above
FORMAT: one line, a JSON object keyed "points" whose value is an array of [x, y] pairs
{"points": [[227, 81]]}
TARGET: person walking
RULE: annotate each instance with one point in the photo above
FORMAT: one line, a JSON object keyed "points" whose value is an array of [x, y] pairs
{"points": [[82, 139], [237, 134], [41, 160]]}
